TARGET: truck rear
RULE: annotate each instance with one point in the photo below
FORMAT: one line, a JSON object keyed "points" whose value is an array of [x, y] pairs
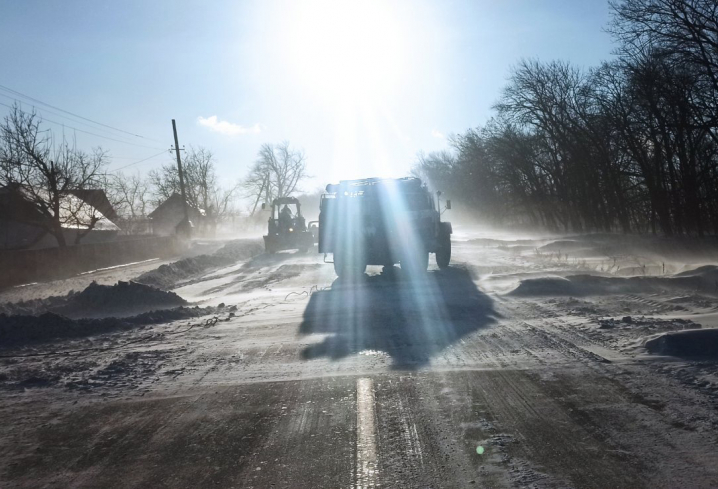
{"points": [[382, 222]]}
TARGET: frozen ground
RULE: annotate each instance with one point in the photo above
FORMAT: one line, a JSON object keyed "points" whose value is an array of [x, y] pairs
{"points": [[543, 362]]}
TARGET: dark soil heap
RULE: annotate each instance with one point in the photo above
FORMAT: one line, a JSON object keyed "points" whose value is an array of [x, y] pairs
{"points": [[123, 295], [20, 330], [126, 298]]}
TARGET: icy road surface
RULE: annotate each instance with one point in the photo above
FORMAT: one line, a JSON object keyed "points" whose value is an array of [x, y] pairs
{"points": [[310, 382]]}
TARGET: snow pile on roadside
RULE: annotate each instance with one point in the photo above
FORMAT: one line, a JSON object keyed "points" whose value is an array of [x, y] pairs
{"points": [[687, 343], [645, 254], [523, 244], [564, 245], [704, 279], [666, 248], [20, 330], [123, 295], [167, 276], [99, 300], [33, 307], [545, 286]]}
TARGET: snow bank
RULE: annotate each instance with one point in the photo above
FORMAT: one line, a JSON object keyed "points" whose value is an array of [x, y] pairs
{"points": [[99, 300], [167, 276], [703, 279], [546, 286], [564, 246], [687, 343], [20, 330], [584, 285], [706, 276], [123, 295]]}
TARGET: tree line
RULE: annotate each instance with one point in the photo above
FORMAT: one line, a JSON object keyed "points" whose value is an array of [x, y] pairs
{"points": [[630, 145]]}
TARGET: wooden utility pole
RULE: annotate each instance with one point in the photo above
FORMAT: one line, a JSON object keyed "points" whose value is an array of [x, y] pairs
{"points": [[181, 176], [259, 196]]}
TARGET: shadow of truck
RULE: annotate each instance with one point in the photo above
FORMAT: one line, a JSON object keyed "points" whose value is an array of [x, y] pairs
{"points": [[410, 320]]}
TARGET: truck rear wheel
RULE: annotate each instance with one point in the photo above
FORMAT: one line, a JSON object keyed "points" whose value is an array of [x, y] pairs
{"points": [[347, 265], [443, 252], [415, 261]]}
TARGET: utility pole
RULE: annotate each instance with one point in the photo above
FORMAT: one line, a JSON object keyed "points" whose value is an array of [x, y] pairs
{"points": [[185, 223], [259, 196]]}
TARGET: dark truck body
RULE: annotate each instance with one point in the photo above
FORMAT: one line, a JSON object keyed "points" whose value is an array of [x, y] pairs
{"points": [[382, 222]]}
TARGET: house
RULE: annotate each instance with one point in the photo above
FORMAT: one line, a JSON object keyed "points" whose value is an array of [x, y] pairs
{"points": [[22, 225], [19, 220], [170, 213]]}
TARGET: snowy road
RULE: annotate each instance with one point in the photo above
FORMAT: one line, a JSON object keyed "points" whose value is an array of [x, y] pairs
{"points": [[311, 382]]}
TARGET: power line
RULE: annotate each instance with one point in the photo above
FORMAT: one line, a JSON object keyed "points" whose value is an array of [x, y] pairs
{"points": [[136, 162], [44, 110], [101, 136], [88, 132], [125, 157], [73, 114]]}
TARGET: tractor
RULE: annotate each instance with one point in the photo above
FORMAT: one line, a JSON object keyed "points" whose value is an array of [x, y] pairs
{"points": [[287, 229], [383, 222]]}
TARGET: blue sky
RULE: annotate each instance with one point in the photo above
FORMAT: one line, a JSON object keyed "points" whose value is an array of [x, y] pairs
{"points": [[361, 87]]}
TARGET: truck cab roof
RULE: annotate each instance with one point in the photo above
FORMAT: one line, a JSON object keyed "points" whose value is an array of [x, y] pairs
{"points": [[364, 184]]}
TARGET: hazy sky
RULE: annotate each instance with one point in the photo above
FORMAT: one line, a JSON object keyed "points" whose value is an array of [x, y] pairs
{"points": [[361, 87]]}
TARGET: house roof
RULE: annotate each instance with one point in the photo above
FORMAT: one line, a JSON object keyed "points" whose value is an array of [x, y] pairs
{"points": [[172, 203], [97, 199], [75, 210], [15, 206]]}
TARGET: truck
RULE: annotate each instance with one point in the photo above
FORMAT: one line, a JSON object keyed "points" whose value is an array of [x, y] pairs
{"points": [[380, 221]]}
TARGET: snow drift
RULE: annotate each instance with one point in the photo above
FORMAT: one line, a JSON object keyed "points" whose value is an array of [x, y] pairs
{"points": [[168, 276], [703, 279]]}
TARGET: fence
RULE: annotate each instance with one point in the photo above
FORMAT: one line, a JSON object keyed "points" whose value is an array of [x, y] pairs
{"points": [[25, 266]]}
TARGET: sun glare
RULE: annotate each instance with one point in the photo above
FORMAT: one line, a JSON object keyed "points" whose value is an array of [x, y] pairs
{"points": [[346, 51]]}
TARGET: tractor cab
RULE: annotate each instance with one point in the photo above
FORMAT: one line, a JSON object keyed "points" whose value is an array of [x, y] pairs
{"points": [[286, 227]]}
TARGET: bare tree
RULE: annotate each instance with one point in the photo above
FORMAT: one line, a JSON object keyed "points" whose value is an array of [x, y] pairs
{"points": [[277, 172], [202, 186], [47, 173], [631, 145], [684, 33], [687, 29], [129, 195]]}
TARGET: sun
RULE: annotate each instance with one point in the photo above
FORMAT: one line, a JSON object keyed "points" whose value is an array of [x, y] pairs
{"points": [[346, 50]]}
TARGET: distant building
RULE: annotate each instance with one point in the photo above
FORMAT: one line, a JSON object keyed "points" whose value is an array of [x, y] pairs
{"points": [[22, 225], [170, 213]]}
